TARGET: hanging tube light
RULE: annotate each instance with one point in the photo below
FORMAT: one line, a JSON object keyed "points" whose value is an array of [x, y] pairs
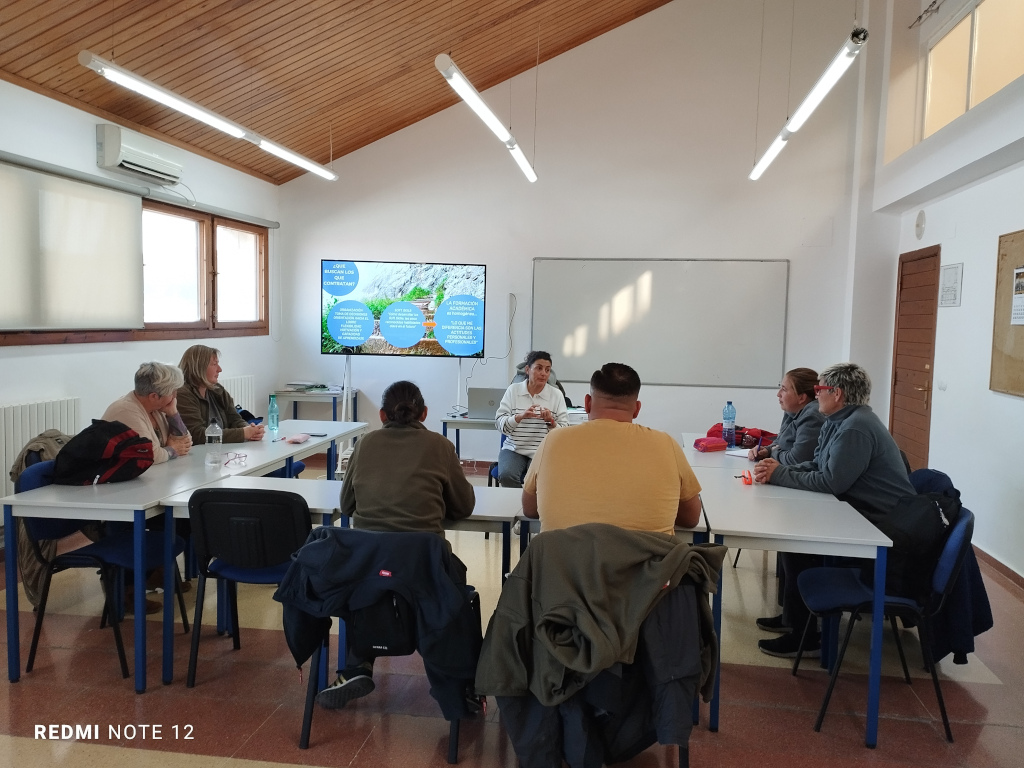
{"points": [[829, 78], [461, 85], [151, 90]]}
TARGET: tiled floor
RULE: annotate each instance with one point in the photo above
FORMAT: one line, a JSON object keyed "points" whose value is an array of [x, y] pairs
{"points": [[246, 708]]}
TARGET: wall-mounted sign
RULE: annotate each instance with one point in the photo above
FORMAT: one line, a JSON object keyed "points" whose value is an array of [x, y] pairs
{"points": [[951, 278]]}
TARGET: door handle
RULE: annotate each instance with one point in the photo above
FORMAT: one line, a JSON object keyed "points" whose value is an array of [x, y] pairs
{"points": [[926, 390]]}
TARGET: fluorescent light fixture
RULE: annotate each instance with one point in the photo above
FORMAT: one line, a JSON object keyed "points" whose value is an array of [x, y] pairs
{"points": [[461, 85], [524, 164], [151, 90], [829, 78], [132, 82], [296, 159], [773, 152]]}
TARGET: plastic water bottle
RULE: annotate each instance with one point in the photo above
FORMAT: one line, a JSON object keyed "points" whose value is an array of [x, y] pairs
{"points": [[272, 414], [729, 424], [214, 438]]}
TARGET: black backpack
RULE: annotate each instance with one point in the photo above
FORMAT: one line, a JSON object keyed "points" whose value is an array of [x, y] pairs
{"points": [[918, 526], [385, 628], [105, 452]]}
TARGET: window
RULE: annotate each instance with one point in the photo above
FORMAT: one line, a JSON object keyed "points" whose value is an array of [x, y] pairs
{"points": [[978, 56], [202, 272], [202, 276]]}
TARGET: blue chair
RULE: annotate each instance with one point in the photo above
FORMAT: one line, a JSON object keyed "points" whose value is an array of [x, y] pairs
{"points": [[242, 535], [830, 591], [111, 555]]}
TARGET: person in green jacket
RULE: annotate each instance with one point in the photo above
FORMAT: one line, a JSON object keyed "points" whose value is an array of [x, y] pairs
{"points": [[202, 399], [400, 478]]}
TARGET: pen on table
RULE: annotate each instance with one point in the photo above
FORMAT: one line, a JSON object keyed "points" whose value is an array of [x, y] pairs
{"points": [[277, 439]]}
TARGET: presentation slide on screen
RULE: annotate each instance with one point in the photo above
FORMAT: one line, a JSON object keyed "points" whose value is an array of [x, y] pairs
{"points": [[399, 308]]}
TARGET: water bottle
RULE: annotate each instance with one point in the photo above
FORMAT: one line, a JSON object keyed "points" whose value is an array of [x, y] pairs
{"points": [[272, 414], [214, 438], [729, 424]]}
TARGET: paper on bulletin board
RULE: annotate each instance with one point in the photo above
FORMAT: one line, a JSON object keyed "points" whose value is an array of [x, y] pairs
{"points": [[1017, 307]]}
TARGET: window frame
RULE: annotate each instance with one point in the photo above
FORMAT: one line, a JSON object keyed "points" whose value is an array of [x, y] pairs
{"points": [[207, 326]]}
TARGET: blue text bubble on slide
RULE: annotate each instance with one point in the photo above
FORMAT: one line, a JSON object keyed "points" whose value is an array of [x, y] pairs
{"points": [[350, 323], [401, 324], [339, 278], [460, 325]]}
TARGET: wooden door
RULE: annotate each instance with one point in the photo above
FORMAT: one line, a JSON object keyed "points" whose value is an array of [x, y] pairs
{"points": [[910, 401]]}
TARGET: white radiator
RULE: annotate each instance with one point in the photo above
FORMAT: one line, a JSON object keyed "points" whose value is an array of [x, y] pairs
{"points": [[20, 423], [243, 391]]}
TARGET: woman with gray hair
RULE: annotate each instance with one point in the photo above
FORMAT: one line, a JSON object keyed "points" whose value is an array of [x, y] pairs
{"points": [[151, 409], [857, 461]]}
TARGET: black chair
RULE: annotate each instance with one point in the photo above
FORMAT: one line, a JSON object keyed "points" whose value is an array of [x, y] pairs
{"points": [[313, 687], [830, 591], [359, 567], [112, 556], [242, 535]]}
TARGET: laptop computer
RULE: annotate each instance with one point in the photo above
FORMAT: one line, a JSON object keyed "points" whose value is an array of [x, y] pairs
{"points": [[483, 402]]}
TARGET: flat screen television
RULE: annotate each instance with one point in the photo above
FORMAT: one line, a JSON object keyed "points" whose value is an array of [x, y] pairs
{"points": [[402, 308]]}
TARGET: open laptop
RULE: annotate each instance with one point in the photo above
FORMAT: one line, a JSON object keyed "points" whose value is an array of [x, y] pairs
{"points": [[483, 402]]}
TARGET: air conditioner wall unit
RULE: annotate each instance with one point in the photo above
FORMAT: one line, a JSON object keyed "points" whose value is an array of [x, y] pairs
{"points": [[123, 151]]}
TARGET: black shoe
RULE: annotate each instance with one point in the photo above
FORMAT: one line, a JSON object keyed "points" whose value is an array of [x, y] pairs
{"points": [[786, 646], [774, 624], [345, 689]]}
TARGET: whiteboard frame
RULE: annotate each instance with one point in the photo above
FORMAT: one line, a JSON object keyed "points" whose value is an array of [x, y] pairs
{"points": [[785, 315]]}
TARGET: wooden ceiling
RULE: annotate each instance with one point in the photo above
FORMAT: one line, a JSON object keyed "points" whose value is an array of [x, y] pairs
{"points": [[308, 75]]}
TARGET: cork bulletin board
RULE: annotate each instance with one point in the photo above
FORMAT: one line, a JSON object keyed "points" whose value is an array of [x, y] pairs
{"points": [[1007, 373]]}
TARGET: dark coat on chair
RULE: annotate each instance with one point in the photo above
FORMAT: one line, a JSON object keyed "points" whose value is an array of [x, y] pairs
{"points": [[966, 612], [339, 570], [599, 641]]}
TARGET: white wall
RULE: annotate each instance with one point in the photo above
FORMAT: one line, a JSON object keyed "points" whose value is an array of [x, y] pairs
{"points": [[47, 130], [974, 431], [644, 139]]}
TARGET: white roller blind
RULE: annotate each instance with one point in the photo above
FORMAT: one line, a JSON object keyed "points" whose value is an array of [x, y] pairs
{"points": [[70, 254]]}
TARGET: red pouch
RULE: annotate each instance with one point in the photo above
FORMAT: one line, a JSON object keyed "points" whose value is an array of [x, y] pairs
{"points": [[706, 444]]}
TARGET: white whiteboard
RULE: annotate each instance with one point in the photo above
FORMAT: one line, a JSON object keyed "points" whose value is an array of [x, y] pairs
{"points": [[709, 323]]}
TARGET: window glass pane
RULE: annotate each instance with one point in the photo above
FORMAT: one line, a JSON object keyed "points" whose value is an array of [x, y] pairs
{"points": [[237, 276], [999, 53], [947, 78], [170, 256]]}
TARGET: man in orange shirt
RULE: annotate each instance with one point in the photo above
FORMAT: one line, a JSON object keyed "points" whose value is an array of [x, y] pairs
{"points": [[610, 470]]}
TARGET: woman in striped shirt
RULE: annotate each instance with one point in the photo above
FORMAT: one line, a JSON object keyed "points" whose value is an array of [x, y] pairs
{"points": [[527, 412]]}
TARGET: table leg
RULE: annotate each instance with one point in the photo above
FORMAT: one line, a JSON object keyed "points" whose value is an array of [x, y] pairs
{"points": [[506, 550], [716, 612], [139, 535], [169, 596], [458, 447], [295, 409], [334, 408], [332, 459], [11, 574], [875, 670]]}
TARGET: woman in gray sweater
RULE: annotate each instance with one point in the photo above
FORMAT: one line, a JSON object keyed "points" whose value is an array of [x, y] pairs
{"points": [[801, 420]]}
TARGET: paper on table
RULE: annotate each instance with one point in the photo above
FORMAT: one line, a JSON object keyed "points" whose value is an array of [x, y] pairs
{"points": [[738, 452]]}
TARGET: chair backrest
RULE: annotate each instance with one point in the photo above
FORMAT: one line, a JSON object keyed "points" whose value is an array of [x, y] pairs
{"points": [[247, 527], [952, 557], [38, 475], [930, 481]]}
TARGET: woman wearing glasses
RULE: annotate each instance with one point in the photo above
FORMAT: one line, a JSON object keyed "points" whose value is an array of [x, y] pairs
{"points": [[857, 461], [801, 420]]}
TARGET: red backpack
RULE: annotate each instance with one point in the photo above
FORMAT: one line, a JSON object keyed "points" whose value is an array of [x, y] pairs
{"points": [[104, 452]]}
